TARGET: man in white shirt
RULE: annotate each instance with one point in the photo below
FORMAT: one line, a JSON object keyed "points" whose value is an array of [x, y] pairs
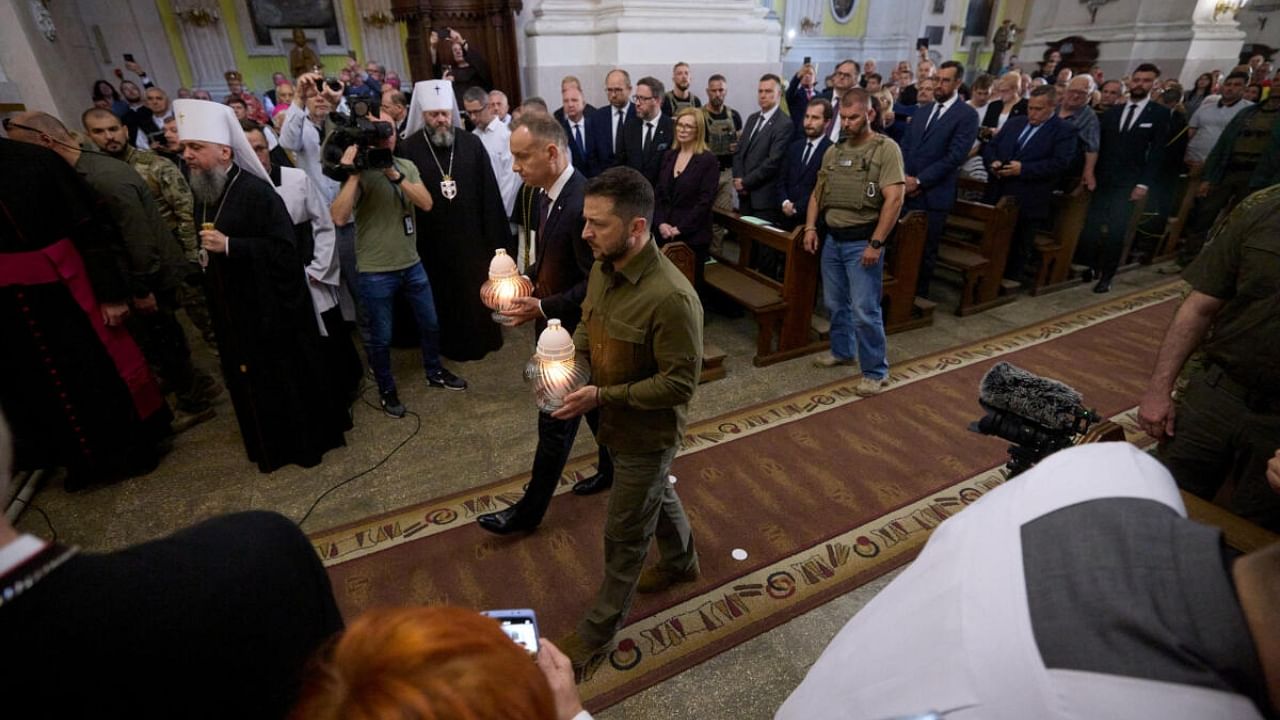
{"points": [[496, 137], [1211, 118]]}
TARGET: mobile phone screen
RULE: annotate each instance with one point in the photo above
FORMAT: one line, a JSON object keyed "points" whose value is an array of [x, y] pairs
{"points": [[522, 632], [128, 57]]}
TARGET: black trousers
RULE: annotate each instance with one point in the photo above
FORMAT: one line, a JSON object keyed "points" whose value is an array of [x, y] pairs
{"points": [[555, 442], [1020, 247], [1110, 206], [163, 343], [933, 239]]}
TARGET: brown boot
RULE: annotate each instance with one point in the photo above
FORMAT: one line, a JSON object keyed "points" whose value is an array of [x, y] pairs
{"points": [[581, 655], [655, 579]]}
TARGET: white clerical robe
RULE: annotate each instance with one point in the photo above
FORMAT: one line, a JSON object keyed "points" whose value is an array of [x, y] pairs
{"points": [[497, 142], [953, 631], [305, 204]]}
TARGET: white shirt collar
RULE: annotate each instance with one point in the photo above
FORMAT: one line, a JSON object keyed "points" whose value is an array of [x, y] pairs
{"points": [[495, 125], [653, 120], [554, 193], [948, 103], [19, 551], [764, 116], [1142, 105]]}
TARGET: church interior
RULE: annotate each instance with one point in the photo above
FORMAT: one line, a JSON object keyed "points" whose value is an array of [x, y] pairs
{"points": [[806, 498]]}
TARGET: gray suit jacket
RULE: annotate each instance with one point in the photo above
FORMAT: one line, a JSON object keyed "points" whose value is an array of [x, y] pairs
{"points": [[758, 160]]}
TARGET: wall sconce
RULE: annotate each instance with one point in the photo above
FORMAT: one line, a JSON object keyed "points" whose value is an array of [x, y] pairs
{"points": [[1222, 7], [809, 26], [379, 19], [505, 284], [554, 369], [198, 16]]}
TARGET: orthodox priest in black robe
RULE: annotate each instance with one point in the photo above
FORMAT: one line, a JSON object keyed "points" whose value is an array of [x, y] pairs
{"points": [[467, 221], [73, 383], [288, 408]]}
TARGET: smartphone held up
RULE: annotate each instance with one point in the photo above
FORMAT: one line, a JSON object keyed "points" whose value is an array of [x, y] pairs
{"points": [[521, 625]]}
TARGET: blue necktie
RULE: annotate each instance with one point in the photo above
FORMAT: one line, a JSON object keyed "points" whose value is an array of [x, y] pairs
{"points": [[1026, 134], [577, 137]]}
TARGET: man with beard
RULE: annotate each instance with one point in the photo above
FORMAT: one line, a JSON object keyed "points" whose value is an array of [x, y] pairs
{"points": [[646, 137], [173, 198], [937, 143], [803, 159], [723, 127], [466, 224], [286, 405], [156, 263], [1130, 159], [679, 97], [313, 229], [74, 384], [540, 148]]}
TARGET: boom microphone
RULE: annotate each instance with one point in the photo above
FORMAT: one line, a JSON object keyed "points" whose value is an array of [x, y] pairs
{"points": [[1048, 403]]}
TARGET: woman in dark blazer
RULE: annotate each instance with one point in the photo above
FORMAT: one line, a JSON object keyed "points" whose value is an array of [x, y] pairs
{"points": [[687, 187], [1009, 104]]}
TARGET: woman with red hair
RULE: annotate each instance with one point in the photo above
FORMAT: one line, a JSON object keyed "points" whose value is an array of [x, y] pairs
{"points": [[436, 662]]}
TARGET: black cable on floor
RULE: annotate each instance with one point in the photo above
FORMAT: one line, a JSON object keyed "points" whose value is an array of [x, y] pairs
{"points": [[43, 514], [417, 426]]}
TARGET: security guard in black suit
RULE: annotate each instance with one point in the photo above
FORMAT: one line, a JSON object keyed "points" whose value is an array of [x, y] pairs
{"points": [[1134, 135]]}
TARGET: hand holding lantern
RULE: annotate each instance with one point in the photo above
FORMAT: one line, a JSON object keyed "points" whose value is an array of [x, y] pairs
{"points": [[505, 284], [554, 370]]}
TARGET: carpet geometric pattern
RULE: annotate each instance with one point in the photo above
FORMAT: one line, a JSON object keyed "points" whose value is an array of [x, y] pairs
{"points": [[823, 490]]}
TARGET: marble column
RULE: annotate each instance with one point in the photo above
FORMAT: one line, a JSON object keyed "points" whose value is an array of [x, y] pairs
{"points": [[1180, 36], [208, 49], [382, 41], [587, 38]]}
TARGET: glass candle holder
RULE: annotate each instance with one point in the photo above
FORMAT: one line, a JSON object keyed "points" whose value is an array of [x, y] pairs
{"points": [[555, 370], [504, 285]]}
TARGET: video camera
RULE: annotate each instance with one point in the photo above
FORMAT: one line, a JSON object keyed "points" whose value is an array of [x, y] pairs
{"points": [[362, 129], [1038, 415]]}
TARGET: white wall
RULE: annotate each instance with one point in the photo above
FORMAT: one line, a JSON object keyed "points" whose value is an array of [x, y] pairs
{"points": [[52, 76]]}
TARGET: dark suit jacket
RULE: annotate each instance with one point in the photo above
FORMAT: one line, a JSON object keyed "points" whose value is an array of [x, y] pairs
{"points": [[759, 157], [1044, 157], [1137, 156], [934, 155], [991, 112], [798, 102], [686, 201], [649, 160], [601, 142], [582, 154], [215, 621], [563, 258], [796, 181]]}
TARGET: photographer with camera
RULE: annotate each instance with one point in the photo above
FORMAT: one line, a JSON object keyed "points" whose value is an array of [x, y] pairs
{"points": [[458, 63], [382, 202], [306, 125]]}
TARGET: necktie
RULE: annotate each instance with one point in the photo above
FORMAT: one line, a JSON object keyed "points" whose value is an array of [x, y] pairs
{"points": [[577, 137], [937, 110], [619, 117], [1022, 138], [544, 210], [648, 136], [1128, 118], [808, 152]]}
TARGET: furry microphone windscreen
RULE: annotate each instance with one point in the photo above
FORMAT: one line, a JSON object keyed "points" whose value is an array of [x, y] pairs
{"points": [[1045, 402]]}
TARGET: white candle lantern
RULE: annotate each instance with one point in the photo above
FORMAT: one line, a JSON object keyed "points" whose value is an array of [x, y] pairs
{"points": [[504, 285], [554, 369]]}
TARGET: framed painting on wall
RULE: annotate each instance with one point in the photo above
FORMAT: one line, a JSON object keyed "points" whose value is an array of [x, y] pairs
{"points": [[842, 10], [267, 25]]}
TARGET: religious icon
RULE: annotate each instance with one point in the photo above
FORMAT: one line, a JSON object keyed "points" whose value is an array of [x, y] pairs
{"points": [[449, 188]]}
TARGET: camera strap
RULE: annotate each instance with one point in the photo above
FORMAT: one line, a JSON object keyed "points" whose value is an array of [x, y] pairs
{"points": [[406, 215]]}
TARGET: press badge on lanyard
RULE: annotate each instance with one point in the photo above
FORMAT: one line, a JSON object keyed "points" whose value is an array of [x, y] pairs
{"points": [[408, 224]]}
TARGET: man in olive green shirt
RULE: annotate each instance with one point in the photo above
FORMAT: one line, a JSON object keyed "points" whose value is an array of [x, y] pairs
{"points": [[858, 197], [642, 330], [1227, 424]]}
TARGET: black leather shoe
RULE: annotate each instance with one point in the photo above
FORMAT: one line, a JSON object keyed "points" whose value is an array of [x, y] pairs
{"points": [[505, 522], [1103, 286], [592, 485], [1088, 275]]}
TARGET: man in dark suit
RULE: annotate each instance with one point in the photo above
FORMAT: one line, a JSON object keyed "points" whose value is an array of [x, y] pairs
{"points": [[1131, 155], [576, 121], [845, 77], [563, 260], [606, 134], [647, 136], [570, 81], [761, 148], [804, 157], [1026, 160], [215, 621], [937, 143]]}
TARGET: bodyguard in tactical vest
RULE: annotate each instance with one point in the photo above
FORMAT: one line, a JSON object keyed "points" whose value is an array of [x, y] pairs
{"points": [[856, 203], [724, 124]]}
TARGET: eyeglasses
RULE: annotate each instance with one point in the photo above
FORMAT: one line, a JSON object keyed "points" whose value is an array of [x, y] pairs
{"points": [[9, 125], [640, 98], [473, 113]]}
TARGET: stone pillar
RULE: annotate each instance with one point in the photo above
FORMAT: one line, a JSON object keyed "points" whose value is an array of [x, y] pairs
{"points": [[1180, 36], [208, 49], [587, 38], [381, 38]]}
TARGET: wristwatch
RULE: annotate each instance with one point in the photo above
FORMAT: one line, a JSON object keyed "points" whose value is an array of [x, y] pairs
{"points": [[876, 244], [399, 178]]}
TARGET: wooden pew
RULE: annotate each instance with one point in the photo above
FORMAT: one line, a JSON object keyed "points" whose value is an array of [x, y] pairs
{"points": [[902, 309], [976, 244], [683, 257], [1168, 248], [782, 310], [1055, 251]]}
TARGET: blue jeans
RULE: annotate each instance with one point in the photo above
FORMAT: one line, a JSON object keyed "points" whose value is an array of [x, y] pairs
{"points": [[852, 294], [377, 291]]}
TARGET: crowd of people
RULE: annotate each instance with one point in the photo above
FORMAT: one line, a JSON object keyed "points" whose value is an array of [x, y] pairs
{"points": [[283, 232]]}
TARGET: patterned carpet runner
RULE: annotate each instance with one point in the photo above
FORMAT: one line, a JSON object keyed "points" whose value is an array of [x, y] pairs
{"points": [[823, 490]]}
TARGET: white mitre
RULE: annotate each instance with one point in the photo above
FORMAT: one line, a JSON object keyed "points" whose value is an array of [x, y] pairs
{"points": [[212, 122], [430, 95]]}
